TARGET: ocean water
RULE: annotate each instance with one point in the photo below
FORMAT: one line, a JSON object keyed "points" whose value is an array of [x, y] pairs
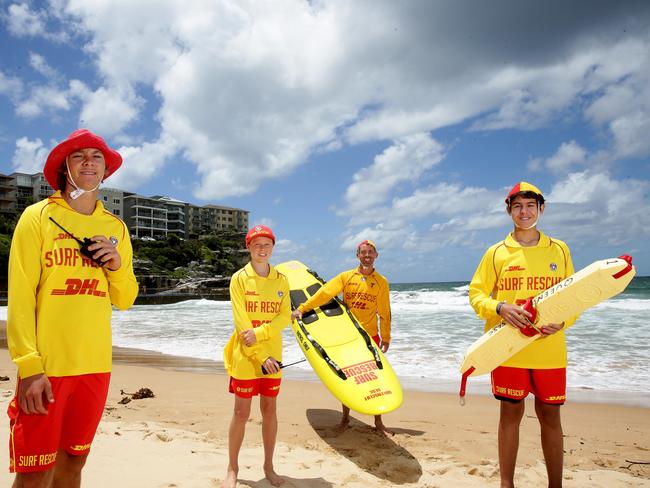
{"points": [[433, 324]]}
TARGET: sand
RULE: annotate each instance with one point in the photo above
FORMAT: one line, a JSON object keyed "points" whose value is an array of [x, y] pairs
{"points": [[179, 438]]}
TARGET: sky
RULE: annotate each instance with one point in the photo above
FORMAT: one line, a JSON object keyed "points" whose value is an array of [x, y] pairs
{"points": [[336, 121]]}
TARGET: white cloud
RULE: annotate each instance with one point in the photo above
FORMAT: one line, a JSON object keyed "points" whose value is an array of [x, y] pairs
{"points": [[29, 155], [404, 161], [249, 90], [568, 155], [43, 99], [108, 111], [141, 163], [599, 208], [40, 65], [10, 86], [22, 21]]}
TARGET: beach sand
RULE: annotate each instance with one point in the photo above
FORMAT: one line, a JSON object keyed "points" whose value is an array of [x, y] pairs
{"points": [[179, 438]]}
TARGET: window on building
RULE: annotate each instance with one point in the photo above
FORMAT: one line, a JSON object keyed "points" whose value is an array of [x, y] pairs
{"points": [[105, 198], [116, 200], [116, 212]]}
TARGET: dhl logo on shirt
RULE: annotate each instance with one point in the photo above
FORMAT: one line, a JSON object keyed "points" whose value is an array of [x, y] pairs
{"points": [[75, 286], [515, 267], [62, 235]]}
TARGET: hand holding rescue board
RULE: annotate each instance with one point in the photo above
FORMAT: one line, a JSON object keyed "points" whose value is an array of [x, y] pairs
{"points": [[591, 285]]}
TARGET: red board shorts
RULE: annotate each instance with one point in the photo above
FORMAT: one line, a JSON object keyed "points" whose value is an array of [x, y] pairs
{"points": [[514, 384], [69, 425], [258, 386]]}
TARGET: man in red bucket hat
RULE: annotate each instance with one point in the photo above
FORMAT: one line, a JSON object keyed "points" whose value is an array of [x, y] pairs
{"points": [[70, 260]]}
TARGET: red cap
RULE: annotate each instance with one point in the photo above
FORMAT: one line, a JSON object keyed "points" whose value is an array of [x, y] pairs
{"points": [[523, 186], [259, 231], [368, 242], [79, 139]]}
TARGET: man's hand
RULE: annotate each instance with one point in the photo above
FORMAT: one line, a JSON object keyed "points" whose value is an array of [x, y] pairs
{"points": [[248, 337], [384, 346], [271, 365], [296, 314], [32, 392], [105, 250], [549, 329], [515, 315]]}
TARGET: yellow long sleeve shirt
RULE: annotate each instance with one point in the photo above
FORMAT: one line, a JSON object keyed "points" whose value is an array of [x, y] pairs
{"points": [[512, 273], [59, 301], [367, 296], [263, 304]]}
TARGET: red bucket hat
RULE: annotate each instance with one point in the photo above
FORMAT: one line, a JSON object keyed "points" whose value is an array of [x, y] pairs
{"points": [[259, 231], [79, 139]]}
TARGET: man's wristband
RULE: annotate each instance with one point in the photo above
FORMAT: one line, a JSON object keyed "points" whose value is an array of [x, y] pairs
{"points": [[499, 305]]}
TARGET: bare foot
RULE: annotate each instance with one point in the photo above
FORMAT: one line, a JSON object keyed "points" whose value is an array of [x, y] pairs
{"points": [[274, 478], [230, 480], [343, 426], [382, 429]]}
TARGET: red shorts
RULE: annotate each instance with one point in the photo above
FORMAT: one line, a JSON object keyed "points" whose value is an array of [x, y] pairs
{"points": [[259, 386], [514, 384], [69, 425]]}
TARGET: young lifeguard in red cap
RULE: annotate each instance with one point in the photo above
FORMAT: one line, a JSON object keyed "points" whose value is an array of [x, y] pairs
{"points": [[261, 308], [524, 264], [70, 261], [367, 294]]}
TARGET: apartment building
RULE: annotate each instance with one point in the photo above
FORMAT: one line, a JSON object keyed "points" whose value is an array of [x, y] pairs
{"points": [[146, 217], [212, 219]]}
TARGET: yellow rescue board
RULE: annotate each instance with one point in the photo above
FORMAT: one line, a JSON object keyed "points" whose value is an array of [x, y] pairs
{"points": [[342, 354], [591, 285]]}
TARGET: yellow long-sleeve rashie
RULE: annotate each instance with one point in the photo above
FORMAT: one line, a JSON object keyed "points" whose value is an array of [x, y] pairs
{"points": [[59, 301], [262, 304], [512, 273], [367, 296]]}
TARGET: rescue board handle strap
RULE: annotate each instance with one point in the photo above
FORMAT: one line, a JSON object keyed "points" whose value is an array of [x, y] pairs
{"points": [[463, 385], [366, 338], [628, 259], [333, 366]]}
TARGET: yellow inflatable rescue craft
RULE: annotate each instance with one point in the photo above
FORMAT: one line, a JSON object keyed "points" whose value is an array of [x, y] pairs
{"points": [[342, 354]]}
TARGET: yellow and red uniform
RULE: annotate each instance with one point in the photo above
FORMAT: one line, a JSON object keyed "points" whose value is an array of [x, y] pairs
{"points": [[59, 301], [59, 323], [511, 273], [367, 296], [263, 304]]}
